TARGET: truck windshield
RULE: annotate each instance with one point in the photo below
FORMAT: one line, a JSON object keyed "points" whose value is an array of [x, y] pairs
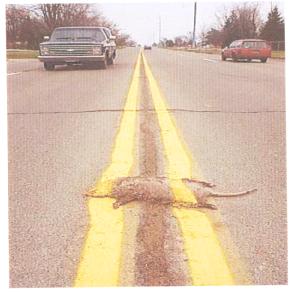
{"points": [[77, 35]]}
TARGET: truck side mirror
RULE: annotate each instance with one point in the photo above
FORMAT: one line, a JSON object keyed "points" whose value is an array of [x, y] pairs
{"points": [[46, 38]]}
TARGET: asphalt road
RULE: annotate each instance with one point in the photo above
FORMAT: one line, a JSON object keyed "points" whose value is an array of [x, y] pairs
{"points": [[62, 126], [239, 146]]}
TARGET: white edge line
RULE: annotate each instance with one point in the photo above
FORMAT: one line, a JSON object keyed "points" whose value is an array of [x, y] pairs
{"points": [[211, 60], [14, 73]]}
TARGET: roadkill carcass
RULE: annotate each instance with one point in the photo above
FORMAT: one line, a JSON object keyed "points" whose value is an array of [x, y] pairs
{"points": [[156, 190]]}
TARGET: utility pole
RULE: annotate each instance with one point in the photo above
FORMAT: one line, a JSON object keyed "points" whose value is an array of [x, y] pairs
{"points": [[160, 28], [194, 26]]}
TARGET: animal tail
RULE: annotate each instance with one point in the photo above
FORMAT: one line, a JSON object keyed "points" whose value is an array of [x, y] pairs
{"points": [[229, 195], [197, 181]]}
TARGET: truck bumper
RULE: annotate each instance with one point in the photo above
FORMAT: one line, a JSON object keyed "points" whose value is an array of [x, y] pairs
{"points": [[61, 60]]}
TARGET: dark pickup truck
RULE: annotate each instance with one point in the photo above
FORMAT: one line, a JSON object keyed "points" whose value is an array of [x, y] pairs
{"points": [[78, 45]]}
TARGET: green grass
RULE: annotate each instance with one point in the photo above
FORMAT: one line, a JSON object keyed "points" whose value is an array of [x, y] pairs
{"points": [[275, 54], [29, 54], [278, 54], [21, 54]]}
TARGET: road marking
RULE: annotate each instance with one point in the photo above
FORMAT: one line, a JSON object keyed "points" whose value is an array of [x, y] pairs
{"points": [[211, 60], [101, 256], [180, 54], [13, 73], [207, 262]]}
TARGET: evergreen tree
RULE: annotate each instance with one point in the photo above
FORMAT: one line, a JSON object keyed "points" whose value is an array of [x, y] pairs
{"points": [[230, 31], [274, 28]]}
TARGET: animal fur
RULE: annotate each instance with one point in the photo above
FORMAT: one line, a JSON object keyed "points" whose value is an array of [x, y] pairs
{"points": [[156, 190]]}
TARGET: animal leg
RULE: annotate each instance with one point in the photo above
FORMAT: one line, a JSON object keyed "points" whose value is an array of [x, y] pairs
{"points": [[207, 206], [94, 195], [204, 183], [120, 202]]}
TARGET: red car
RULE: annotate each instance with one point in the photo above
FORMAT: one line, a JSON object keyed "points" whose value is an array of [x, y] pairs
{"points": [[247, 49]]}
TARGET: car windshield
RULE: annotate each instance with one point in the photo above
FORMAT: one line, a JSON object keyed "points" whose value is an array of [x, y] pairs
{"points": [[254, 45], [77, 35]]}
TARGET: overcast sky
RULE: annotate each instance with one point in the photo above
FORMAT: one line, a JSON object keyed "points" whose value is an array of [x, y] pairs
{"points": [[141, 20]]}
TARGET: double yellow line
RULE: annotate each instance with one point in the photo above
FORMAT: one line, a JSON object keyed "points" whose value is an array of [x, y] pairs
{"points": [[100, 260], [206, 260], [101, 256]]}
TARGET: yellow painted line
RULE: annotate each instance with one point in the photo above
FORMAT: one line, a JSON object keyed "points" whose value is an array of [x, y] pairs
{"points": [[101, 256], [207, 262]]}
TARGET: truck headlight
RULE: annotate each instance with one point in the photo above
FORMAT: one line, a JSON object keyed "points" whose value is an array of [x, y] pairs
{"points": [[97, 50], [44, 50]]}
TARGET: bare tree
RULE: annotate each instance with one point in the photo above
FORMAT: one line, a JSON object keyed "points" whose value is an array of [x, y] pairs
{"points": [[28, 24], [55, 15], [16, 15], [248, 19], [203, 36], [242, 21], [23, 30]]}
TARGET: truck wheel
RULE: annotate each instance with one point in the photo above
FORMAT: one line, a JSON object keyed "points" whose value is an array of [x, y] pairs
{"points": [[103, 64], [110, 61], [234, 58], [49, 67], [223, 57], [263, 60]]}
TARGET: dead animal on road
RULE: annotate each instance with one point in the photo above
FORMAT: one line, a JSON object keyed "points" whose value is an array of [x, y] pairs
{"points": [[156, 190]]}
